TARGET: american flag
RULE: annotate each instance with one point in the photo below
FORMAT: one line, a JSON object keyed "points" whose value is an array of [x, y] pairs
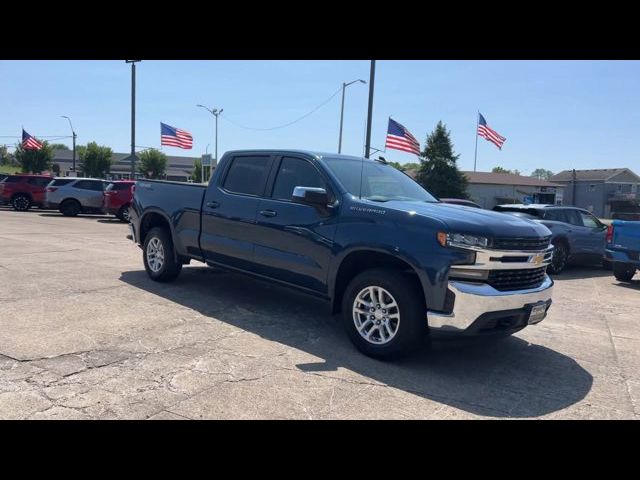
{"points": [[489, 134], [29, 142], [399, 138], [174, 137]]}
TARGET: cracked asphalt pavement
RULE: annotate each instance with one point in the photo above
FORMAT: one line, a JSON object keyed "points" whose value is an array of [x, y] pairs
{"points": [[84, 334]]}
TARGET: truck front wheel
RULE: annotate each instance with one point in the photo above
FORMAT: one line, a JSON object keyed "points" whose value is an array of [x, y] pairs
{"points": [[158, 256], [623, 272], [384, 313]]}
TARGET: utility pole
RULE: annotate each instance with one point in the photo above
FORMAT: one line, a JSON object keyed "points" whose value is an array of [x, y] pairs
{"points": [[372, 77], [344, 86], [73, 134], [133, 117]]}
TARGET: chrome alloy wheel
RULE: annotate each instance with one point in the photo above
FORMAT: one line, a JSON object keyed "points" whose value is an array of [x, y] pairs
{"points": [[376, 315], [155, 254]]}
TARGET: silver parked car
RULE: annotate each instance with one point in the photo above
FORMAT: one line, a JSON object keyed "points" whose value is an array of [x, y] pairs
{"points": [[75, 195]]}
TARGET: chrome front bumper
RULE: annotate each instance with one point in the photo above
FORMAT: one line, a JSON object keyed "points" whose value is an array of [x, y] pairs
{"points": [[475, 299]]}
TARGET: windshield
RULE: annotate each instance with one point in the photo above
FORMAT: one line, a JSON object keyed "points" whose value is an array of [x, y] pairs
{"points": [[380, 182]]}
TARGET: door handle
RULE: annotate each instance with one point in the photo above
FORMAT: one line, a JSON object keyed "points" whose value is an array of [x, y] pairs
{"points": [[268, 213], [213, 204]]}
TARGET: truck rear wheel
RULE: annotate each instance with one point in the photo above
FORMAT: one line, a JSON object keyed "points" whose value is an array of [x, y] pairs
{"points": [[158, 256], [384, 313], [623, 272]]}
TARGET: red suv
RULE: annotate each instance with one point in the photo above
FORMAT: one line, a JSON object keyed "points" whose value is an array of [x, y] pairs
{"points": [[117, 198], [24, 191]]}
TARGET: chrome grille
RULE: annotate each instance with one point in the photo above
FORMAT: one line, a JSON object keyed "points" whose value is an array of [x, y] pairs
{"points": [[518, 279]]}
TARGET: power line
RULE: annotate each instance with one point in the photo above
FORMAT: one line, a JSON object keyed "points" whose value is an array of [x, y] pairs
{"points": [[286, 124]]}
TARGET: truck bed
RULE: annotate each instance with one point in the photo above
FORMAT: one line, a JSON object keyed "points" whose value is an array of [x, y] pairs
{"points": [[181, 204]]}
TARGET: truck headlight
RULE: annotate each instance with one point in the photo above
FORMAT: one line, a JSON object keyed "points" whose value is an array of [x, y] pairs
{"points": [[462, 240]]}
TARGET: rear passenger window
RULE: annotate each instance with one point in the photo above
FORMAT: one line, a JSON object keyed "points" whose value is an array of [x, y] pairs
{"points": [[39, 181], [247, 175], [295, 172], [89, 185], [60, 182], [555, 215], [573, 217]]}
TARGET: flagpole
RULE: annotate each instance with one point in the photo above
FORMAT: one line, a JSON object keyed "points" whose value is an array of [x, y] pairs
{"points": [[475, 157]]}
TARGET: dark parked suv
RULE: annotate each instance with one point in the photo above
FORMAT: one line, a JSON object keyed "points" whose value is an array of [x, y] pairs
{"points": [[577, 235]]}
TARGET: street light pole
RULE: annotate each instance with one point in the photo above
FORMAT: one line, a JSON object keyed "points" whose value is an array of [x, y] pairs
{"points": [[215, 112], [372, 76], [344, 86], [133, 117], [73, 133]]}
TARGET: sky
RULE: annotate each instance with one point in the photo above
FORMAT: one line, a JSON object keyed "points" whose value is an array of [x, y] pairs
{"points": [[555, 114]]}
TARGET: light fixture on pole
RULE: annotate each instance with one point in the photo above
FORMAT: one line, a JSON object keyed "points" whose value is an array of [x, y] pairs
{"points": [[73, 134], [344, 86], [133, 117], [215, 112]]}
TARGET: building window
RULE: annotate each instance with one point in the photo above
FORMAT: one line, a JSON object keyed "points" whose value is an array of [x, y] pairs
{"points": [[619, 187], [592, 188]]}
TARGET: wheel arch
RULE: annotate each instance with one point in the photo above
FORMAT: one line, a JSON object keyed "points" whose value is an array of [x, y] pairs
{"points": [[357, 261], [564, 240], [26, 194], [156, 218]]}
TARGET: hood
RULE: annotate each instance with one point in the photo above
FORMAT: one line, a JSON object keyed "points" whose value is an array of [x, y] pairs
{"points": [[471, 220]]}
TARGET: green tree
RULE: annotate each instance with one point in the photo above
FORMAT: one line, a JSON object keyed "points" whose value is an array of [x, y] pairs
{"points": [[153, 163], [438, 166], [59, 146], [397, 165], [95, 160], [196, 175], [410, 166], [34, 161], [542, 174], [504, 170], [56, 169], [5, 157]]}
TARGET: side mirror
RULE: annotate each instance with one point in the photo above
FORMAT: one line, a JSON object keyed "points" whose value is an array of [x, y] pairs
{"points": [[316, 197]]}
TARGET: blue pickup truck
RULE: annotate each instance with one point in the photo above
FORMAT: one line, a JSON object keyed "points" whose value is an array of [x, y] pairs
{"points": [[396, 262], [623, 249]]}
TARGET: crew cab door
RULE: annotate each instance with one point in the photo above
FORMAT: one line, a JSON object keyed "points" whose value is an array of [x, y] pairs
{"points": [[229, 211], [595, 232], [294, 240], [89, 192]]}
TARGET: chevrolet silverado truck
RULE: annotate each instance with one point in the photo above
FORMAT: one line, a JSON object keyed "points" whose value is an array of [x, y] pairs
{"points": [[397, 263], [623, 249]]}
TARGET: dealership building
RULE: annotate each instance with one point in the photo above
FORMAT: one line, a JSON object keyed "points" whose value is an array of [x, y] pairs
{"points": [[178, 168]]}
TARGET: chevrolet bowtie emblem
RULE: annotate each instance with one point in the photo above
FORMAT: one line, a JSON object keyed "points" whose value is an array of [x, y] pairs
{"points": [[537, 259]]}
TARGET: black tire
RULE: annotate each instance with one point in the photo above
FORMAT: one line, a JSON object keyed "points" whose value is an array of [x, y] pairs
{"points": [[70, 208], [123, 213], [412, 329], [169, 268], [21, 202], [560, 257], [623, 271]]}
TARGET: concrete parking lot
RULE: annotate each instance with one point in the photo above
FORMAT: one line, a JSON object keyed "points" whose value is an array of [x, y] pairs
{"points": [[85, 334]]}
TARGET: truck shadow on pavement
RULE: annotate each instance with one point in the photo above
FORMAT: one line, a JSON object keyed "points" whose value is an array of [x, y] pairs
{"points": [[503, 378]]}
